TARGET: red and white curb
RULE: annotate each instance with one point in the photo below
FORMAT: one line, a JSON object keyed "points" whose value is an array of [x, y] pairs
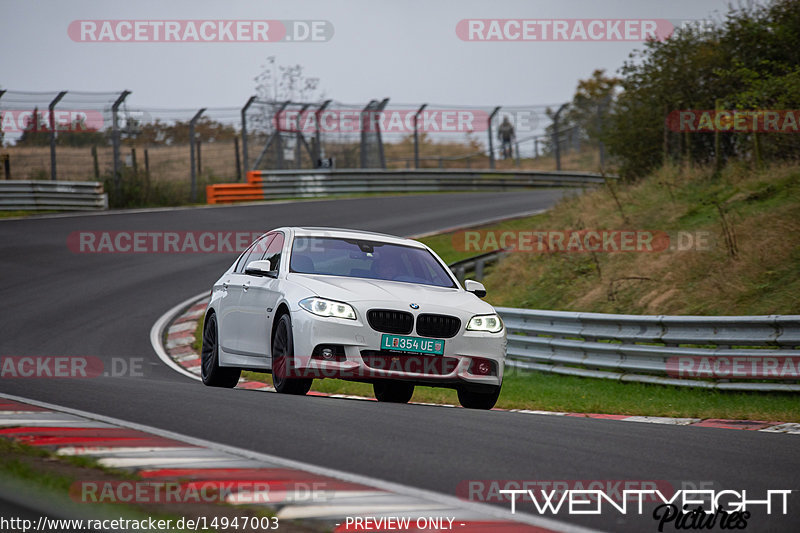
{"points": [[291, 489], [180, 323]]}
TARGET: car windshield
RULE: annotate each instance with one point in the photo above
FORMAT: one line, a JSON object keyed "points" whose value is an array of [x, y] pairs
{"points": [[367, 259]]}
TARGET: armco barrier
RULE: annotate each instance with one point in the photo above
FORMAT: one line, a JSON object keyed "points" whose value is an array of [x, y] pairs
{"points": [[227, 193], [36, 195], [650, 349], [276, 184]]}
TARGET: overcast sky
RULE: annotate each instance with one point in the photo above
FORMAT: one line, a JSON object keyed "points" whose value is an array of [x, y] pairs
{"points": [[406, 50]]}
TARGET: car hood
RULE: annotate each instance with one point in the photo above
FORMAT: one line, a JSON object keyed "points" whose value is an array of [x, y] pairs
{"points": [[355, 290]]}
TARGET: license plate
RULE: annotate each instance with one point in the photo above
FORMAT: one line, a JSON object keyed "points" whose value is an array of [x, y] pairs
{"points": [[412, 344]]}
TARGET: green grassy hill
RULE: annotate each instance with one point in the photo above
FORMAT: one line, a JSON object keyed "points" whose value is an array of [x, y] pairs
{"points": [[759, 273]]}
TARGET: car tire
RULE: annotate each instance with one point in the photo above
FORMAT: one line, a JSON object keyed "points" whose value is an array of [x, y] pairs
{"points": [[211, 373], [283, 359], [474, 399], [393, 391]]}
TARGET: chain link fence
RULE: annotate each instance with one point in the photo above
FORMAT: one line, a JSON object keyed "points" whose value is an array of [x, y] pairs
{"points": [[164, 155]]}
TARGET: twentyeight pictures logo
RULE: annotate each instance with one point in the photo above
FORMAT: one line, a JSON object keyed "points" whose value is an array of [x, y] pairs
{"points": [[199, 31]]}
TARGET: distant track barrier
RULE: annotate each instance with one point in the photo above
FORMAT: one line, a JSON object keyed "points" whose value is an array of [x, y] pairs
{"points": [[40, 195], [748, 353], [270, 185]]}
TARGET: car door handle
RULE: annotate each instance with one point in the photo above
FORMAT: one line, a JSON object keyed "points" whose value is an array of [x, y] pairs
{"points": [[224, 285], [246, 286]]}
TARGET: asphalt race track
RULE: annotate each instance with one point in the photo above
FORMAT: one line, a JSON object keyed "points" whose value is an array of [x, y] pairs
{"points": [[57, 302]]}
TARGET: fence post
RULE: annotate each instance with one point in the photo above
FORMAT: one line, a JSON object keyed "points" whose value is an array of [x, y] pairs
{"points": [[556, 135], [245, 156], [416, 134], [52, 109], [199, 156], [717, 144], [238, 160], [96, 164], [298, 136], [133, 162], [378, 109], [318, 133], [191, 153], [6, 165], [115, 137], [362, 127], [491, 140], [601, 146]]}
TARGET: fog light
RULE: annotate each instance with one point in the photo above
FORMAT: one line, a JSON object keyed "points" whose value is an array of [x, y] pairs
{"points": [[327, 354], [482, 367]]}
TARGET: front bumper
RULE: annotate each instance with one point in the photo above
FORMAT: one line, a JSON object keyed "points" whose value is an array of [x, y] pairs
{"points": [[362, 354]]}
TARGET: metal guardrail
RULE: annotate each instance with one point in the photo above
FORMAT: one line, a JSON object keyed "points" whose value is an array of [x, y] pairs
{"points": [[391, 180], [475, 264], [310, 184], [39, 195], [720, 351]]}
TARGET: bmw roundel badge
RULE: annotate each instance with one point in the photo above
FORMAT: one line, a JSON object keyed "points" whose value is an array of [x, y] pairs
{"points": [[414, 306]]}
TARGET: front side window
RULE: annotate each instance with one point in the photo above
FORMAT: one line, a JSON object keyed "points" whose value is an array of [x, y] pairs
{"points": [[358, 258], [255, 252], [273, 252]]}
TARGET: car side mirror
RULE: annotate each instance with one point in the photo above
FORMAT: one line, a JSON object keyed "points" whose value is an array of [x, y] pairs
{"points": [[261, 268], [475, 287]]}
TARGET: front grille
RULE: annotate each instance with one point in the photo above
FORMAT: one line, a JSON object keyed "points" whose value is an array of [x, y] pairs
{"points": [[411, 363], [390, 321], [439, 326]]}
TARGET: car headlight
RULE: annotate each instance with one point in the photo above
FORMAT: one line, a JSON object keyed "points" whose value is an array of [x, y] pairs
{"points": [[328, 308], [490, 323]]}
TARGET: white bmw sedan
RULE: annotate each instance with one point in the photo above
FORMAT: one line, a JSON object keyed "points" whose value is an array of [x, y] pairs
{"points": [[306, 303]]}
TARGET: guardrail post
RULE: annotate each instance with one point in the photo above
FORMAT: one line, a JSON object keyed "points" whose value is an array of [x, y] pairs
{"points": [[491, 140], [191, 152], [479, 269], [317, 133], [416, 134], [556, 139], [245, 155], [115, 137], [52, 109]]}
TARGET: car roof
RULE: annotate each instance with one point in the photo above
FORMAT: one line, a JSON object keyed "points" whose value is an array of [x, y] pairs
{"points": [[342, 233]]}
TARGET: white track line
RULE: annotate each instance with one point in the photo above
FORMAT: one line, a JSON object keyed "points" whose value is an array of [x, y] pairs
{"points": [[157, 332], [389, 486]]}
